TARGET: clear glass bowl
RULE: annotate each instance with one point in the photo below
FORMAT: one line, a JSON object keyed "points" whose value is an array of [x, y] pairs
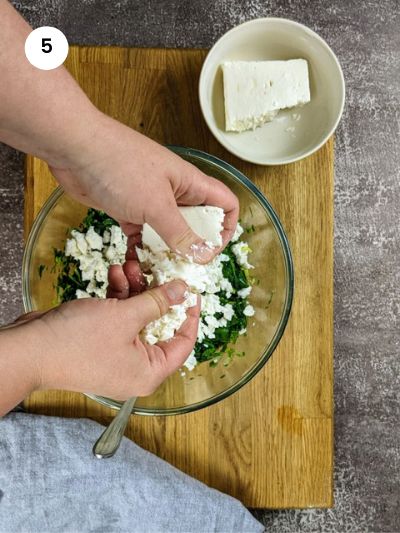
{"points": [[271, 296]]}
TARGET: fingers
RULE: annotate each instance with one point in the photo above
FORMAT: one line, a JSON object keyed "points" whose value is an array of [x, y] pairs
{"points": [[178, 349], [152, 304], [118, 286], [135, 277], [134, 234], [126, 280]]}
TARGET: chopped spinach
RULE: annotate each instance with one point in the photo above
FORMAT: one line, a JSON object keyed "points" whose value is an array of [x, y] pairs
{"points": [[210, 349], [69, 277], [41, 269]]}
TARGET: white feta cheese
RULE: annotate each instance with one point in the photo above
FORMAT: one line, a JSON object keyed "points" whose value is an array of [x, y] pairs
{"points": [[228, 312], [238, 232], [165, 327], [116, 236], [209, 304], [244, 293], [166, 266], [94, 240], [255, 91], [191, 299], [249, 310], [71, 249], [226, 286], [150, 338], [162, 266], [190, 362], [205, 220], [101, 272], [95, 257], [80, 240], [95, 253], [241, 251], [81, 294]]}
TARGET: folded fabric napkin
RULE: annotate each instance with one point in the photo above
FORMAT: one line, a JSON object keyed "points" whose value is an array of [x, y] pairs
{"points": [[50, 482]]}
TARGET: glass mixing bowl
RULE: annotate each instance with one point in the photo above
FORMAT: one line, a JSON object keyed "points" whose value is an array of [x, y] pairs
{"points": [[271, 295]]}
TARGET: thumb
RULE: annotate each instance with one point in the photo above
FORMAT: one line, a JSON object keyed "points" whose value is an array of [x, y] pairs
{"points": [[152, 304], [172, 227]]}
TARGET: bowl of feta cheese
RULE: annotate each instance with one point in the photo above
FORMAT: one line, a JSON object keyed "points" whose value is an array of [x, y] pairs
{"points": [[246, 291], [271, 91]]}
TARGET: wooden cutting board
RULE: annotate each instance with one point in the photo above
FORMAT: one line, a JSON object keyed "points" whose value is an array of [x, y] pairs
{"points": [[271, 443]]}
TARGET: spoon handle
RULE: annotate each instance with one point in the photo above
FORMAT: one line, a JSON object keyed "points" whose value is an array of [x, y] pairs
{"points": [[109, 441]]}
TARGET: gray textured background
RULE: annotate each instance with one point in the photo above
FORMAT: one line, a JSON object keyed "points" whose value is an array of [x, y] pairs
{"points": [[365, 36]]}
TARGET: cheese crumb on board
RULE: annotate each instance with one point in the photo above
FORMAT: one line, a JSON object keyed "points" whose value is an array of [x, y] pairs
{"points": [[255, 91]]}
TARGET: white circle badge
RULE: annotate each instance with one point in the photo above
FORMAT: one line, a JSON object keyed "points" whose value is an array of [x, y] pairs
{"points": [[46, 48]]}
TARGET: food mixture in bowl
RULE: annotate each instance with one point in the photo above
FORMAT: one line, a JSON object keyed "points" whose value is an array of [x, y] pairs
{"points": [[224, 284]]}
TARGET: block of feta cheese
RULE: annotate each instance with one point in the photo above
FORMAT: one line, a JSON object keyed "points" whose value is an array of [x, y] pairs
{"points": [[205, 220], [254, 91]]}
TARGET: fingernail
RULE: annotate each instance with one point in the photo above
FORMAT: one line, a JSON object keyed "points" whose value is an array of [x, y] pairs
{"points": [[176, 290], [202, 252]]}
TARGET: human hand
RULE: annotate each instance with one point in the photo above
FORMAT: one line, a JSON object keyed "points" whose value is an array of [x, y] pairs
{"points": [[98, 160], [136, 180], [93, 345]]}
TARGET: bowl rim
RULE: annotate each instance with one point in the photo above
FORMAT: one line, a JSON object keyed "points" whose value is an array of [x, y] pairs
{"points": [[215, 131], [287, 255]]}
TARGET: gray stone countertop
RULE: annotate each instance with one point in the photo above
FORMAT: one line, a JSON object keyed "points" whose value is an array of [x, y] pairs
{"points": [[366, 37]]}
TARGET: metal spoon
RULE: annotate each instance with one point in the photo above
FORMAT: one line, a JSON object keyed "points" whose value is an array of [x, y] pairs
{"points": [[109, 441]]}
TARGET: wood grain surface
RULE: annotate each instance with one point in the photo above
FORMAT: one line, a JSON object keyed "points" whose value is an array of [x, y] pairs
{"points": [[271, 443]]}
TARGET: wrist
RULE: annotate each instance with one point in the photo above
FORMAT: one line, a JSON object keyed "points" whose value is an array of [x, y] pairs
{"points": [[82, 130], [20, 365]]}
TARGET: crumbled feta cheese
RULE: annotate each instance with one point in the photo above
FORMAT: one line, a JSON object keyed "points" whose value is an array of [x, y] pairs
{"points": [[106, 237], [166, 266], [244, 293], [94, 240], [162, 266], [82, 294], [95, 253], [116, 235], [191, 361], [71, 249], [164, 328], [228, 311], [249, 310], [80, 241], [241, 251], [101, 272], [238, 232]]}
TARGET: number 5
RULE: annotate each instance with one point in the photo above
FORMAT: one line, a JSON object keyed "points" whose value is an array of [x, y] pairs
{"points": [[46, 46]]}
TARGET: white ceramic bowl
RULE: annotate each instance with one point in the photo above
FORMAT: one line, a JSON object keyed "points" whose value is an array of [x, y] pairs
{"points": [[294, 133]]}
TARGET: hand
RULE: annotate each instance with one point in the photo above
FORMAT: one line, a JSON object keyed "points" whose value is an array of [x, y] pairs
{"points": [[98, 160], [136, 180], [93, 345]]}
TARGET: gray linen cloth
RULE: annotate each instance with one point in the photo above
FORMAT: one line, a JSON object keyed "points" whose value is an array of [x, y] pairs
{"points": [[50, 482]]}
